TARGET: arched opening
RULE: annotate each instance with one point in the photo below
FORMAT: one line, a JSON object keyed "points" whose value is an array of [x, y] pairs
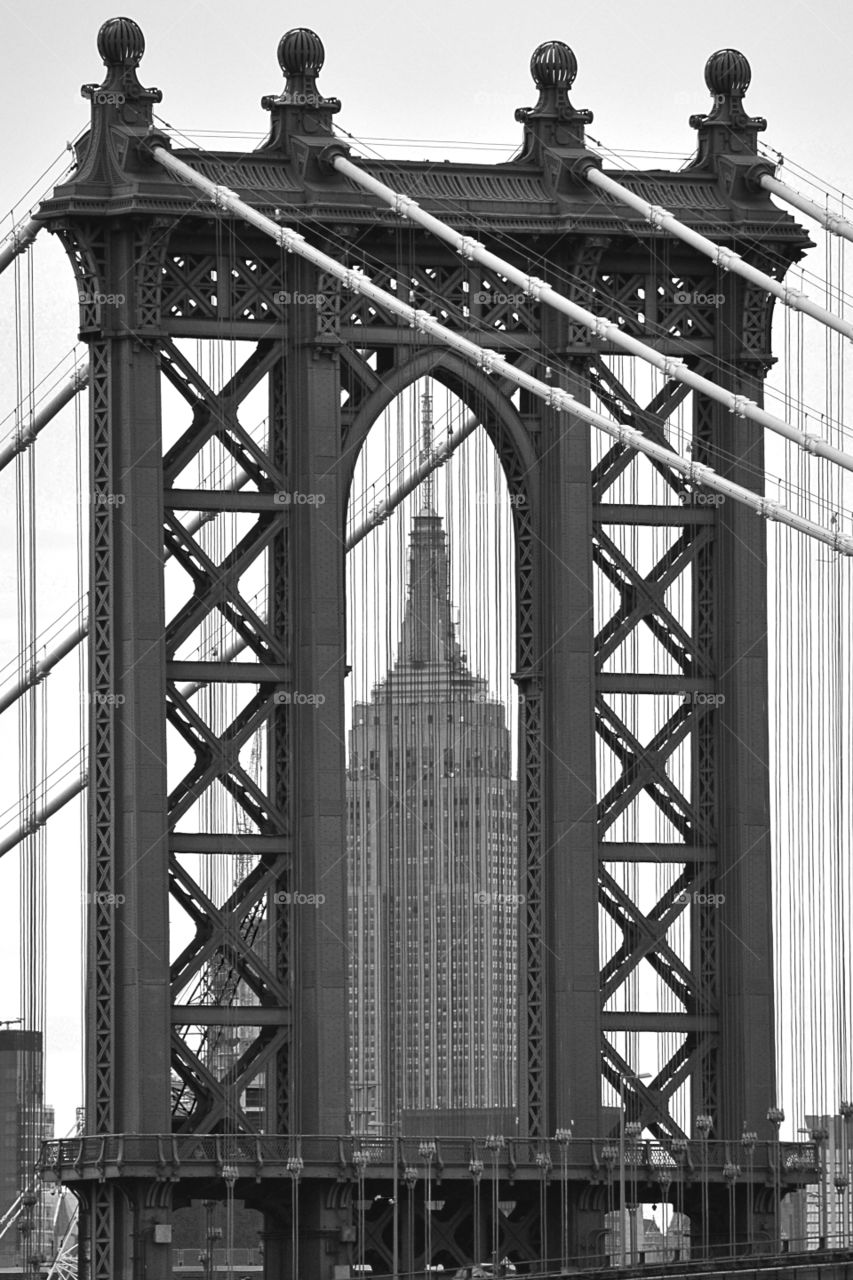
{"points": [[434, 879]]}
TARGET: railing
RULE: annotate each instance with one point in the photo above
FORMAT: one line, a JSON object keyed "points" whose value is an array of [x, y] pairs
{"points": [[577, 1158]]}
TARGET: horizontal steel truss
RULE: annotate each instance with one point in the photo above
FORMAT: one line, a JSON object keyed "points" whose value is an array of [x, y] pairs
{"points": [[256, 1157], [223, 953], [642, 601]]}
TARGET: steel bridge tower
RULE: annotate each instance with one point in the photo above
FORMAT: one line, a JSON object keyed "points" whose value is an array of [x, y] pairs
{"points": [[155, 265]]}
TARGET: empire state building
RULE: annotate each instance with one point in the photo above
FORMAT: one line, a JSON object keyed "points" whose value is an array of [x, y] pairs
{"points": [[433, 878]]}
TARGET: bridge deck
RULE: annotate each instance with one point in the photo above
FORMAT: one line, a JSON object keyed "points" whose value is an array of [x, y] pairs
{"points": [[261, 1156]]}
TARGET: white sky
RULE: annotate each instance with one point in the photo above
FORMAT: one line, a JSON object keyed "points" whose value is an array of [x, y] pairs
{"points": [[449, 71]]}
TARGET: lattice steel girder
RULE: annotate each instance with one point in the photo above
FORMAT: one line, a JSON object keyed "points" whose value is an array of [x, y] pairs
{"points": [[692, 647]]}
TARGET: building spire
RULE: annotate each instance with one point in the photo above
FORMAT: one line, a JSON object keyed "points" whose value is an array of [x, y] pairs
{"points": [[428, 634]]}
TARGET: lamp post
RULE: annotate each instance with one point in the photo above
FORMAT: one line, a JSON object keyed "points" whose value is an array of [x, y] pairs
{"points": [[704, 1124], [748, 1140], [426, 1150], [623, 1076], [543, 1160], [633, 1129], [664, 1178], [818, 1136], [845, 1110], [410, 1177], [360, 1160], [395, 1241], [212, 1234], [610, 1154], [495, 1143], [295, 1165], [730, 1173], [678, 1147], [776, 1117], [563, 1136], [841, 1183], [475, 1168]]}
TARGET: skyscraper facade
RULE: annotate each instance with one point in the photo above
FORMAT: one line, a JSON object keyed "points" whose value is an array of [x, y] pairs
{"points": [[433, 874], [25, 1122]]}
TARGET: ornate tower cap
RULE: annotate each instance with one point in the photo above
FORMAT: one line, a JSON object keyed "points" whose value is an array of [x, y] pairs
{"points": [[121, 43], [728, 72], [727, 129], [301, 52], [553, 65], [301, 110], [553, 121]]}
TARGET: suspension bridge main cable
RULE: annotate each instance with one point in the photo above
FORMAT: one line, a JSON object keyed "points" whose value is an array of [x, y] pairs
{"points": [[835, 225], [727, 259], [540, 291], [567, 278], [28, 432], [19, 238], [492, 362], [560, 400]]}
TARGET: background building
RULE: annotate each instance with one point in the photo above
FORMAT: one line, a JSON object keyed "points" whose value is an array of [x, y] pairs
{"points": [[25, 1122], [433, 879], [824, 1211]]}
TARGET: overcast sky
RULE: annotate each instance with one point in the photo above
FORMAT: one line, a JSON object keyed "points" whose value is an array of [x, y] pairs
{"points": [[441, 71]]}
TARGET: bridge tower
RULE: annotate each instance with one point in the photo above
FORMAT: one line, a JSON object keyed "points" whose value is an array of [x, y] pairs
{"points": [[157, 266]]}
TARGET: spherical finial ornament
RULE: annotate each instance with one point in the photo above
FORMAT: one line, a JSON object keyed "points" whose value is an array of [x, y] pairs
{"points": [[301, 52], [727, 71], [121, 42], [553, 65]]}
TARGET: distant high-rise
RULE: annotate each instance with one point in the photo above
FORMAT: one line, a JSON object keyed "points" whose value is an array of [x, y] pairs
{"points": [[25, 1122], [433, 877], [822, 1211]]}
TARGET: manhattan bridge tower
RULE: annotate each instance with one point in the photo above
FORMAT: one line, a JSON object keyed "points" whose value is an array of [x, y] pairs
{"points": [[192, 318]]}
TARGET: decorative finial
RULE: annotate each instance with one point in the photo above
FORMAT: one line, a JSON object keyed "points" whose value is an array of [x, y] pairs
{"points": [[727, 129], [553, 65], [121, 99], [301, 52], [553, 122], [121, 43], [301, 110], [728, 72]]}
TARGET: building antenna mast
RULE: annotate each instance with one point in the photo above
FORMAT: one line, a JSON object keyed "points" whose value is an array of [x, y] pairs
{"points": [[426, 443]]}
